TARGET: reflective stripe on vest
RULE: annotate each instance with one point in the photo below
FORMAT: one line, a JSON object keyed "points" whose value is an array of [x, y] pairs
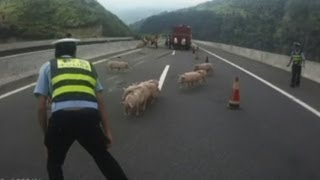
{"points": [[297, 57], [73, 79]]}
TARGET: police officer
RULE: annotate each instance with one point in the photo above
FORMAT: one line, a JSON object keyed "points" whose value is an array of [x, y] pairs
{"points": [[298, 59], [78, 111]]}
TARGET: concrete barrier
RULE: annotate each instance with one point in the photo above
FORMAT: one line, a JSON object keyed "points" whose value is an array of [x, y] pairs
{"points": [[30, 46], [311, 70], [14, 68]]}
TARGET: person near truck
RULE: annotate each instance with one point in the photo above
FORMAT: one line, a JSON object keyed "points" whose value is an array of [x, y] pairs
{"points": [[78, 111], [298, 61], [169, 41]]}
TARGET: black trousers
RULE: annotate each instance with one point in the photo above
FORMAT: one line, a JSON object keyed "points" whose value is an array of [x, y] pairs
{"points": [[296, 75], [64, 128]]}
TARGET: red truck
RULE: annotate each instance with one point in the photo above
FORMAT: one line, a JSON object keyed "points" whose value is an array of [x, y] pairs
{"points": [[181, 37]]}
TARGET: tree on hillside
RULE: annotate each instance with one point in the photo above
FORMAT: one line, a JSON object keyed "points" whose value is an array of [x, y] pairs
{"points": [[302, 23], [270, 25]]}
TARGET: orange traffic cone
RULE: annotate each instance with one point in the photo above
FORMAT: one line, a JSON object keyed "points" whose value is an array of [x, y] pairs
{"points": [[234, 102]]}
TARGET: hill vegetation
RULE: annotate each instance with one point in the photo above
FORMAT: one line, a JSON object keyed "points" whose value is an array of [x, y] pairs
{"points": [[43, 19], [271, 25]]}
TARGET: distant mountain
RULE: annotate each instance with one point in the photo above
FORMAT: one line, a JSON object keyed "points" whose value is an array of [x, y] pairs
{"points": [[130, 16], [43, 19], [271, 25]]}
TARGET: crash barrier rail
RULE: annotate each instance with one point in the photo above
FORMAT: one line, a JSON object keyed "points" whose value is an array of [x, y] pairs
{"points": [[311, 70], [30, 46], [13, 68]]}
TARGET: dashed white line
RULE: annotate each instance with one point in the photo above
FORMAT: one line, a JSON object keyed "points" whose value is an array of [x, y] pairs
{"points": [[17, 90], [137, 64], [112, 77], [104, 60], [163, 76], [173, 52], [293, 98], [23, 54], [34, 83]]}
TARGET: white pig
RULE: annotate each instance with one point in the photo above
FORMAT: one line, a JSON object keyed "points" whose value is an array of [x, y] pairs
{"points": [[204, 66], [119, 65]]}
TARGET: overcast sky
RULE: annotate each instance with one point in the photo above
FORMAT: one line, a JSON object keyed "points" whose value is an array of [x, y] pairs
{"points": [[116, 5]]}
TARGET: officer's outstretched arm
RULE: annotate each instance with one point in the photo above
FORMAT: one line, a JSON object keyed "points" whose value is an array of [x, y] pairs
{"points": [[104, 115]]}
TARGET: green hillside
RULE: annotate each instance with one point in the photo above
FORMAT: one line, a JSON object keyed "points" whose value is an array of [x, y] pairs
{"points": [[271, 25], [43, 19]]}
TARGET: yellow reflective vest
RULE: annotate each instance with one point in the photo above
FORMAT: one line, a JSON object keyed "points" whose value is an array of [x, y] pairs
{"points": [[73, 79], [297, 57]]}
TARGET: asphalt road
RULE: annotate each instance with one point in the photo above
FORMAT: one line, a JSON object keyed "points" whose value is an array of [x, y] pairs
{"points": [[188, 134]]}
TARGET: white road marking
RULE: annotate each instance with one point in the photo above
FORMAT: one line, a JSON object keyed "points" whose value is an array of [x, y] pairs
{"points": [[104, 60], [163, 76], [16, 91], [112, 77], [173, 52], [137, 64], [34, 83], [23, 54], [293, 98]]}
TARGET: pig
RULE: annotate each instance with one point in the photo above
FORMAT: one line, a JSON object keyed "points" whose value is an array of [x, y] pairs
{"points": [[145, 94], [120, 65], [132, 103], [190, 78], [135, 101], [204, 66], [152, 85], [203, 74], [129, 89], [137, 96]]}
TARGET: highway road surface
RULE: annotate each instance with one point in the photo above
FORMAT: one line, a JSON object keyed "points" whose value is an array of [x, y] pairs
{"points": [[188, 134]]}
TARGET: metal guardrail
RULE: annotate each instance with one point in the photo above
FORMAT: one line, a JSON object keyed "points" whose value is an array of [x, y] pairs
{"points": [[23, 47]]}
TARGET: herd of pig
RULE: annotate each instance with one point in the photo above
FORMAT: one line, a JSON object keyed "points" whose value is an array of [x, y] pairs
{"points": [[138, 96]]}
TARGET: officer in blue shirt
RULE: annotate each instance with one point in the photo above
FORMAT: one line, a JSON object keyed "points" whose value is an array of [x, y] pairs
{"points": [[78, 111]]}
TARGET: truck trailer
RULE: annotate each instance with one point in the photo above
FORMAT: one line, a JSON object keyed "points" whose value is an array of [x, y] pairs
{"points": [[181, 37]]}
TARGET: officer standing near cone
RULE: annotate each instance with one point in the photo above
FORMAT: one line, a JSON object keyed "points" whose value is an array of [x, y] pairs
{"points": [[298, 59], [78, 111]]}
